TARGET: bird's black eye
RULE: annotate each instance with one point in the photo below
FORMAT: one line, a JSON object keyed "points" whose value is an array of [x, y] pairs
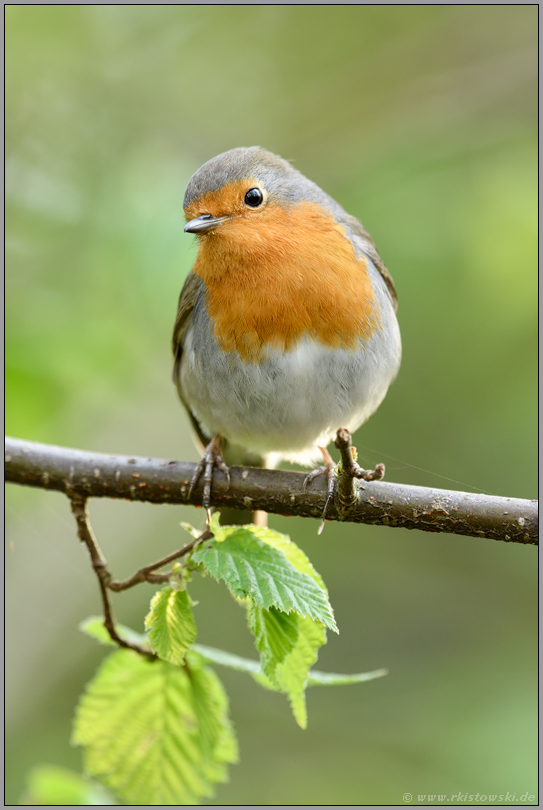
{"points": [[254, 197]]}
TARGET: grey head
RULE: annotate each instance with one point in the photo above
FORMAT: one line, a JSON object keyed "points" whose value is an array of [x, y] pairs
{"points": [[282, 181], [283, 184]]}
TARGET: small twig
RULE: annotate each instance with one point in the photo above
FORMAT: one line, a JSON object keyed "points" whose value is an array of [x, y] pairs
{"points": [[377, 474], [350, 470], [145, 574], [86, 535], [346, 487]]}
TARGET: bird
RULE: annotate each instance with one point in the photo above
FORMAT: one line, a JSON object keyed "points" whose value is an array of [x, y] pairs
{"points": [[286, 327]]}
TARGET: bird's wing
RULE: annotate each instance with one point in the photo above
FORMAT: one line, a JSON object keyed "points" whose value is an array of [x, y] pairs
{"points": [[381, 266], [185, 307], [371, 250], [187, 299]]}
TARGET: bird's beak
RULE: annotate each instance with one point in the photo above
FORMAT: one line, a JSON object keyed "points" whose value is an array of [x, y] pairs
{"points": [[204, 223]]}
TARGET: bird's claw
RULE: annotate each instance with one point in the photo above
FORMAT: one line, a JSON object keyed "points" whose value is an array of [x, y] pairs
{"points": [[210, 459], [318, 471], [329, 470]]}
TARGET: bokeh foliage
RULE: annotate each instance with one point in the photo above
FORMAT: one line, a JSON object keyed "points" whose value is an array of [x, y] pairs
{"points": [[420, 120]]}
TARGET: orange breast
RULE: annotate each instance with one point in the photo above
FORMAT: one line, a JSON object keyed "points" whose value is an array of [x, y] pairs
{"points": [[277, 275]]}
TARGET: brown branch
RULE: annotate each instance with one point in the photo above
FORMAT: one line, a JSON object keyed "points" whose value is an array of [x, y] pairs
{"points": [[106, 583], [93, 475], [86, 535], [145, 574]]}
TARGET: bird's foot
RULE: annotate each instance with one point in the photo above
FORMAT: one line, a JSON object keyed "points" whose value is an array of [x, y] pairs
{"points": [[329, 470], [349, 467], [210, 459]]}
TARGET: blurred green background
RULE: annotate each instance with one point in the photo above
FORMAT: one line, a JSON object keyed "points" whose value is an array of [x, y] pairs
{"points": [[421, 121]]}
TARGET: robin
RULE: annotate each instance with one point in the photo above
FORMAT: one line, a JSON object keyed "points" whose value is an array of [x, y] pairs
{"points": [[286, 328]]}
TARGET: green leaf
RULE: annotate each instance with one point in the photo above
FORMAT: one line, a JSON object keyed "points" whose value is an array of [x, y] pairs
{"points": [[334, 679], [292, 552], [155, 733], [254, 568], [170, 624], [211, 706], [48, 784], [94, 627], [315, 678], [288, 647], [225, 659], [275, 635], [292, 673]]}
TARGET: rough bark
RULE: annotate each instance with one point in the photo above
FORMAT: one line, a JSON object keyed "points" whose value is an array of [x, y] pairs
{"points": [[95, 475]]}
